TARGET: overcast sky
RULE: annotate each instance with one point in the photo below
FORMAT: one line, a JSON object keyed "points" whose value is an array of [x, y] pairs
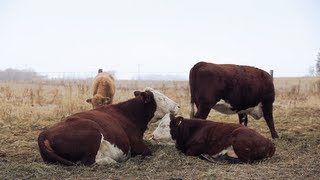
{"points": [[163, 36]]}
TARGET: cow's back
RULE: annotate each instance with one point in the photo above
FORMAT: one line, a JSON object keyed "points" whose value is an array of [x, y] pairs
{"points": [[250, 145], [246, 86], [104, 84], [198, 136], [112, 124]]}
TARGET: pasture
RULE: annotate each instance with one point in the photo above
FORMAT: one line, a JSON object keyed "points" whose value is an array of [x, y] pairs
{"points": [[29, 107]]}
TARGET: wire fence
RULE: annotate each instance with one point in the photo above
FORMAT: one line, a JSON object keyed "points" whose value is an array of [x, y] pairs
{"points": [[120, 75], [117, 75]]}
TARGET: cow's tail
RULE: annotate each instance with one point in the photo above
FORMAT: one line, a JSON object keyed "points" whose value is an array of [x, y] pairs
{"points": [[272, 150], [48, 154], [192, 110], [191, 87]]}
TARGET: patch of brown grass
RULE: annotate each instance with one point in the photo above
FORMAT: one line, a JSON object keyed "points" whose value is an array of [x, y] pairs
{"points": [[29, 107]]}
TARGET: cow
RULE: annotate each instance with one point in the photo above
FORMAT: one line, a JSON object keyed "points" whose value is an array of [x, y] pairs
{"points": [[103, 90], [161, 134], [104, 135], [199, 137], [232, 89]]}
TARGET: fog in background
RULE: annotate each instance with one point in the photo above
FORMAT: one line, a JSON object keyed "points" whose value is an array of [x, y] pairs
{"points": [[137, 39]]}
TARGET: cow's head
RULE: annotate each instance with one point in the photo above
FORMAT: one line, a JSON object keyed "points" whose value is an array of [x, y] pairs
{"points": [[164, 105], [175, 122], [98, 100]]}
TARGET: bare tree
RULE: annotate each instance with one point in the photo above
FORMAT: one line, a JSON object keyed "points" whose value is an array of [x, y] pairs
{"points": [[318, 64], [311, 71]]}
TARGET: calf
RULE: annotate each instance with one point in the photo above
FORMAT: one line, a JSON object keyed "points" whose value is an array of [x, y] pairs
{"points": [[232, 89], [103, 90], [195, 137], [107, 134]]}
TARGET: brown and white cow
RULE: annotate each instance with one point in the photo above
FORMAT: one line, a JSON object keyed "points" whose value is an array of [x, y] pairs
{"points": [[107, 134], [232, 89], [103, 90], [195, 137]]}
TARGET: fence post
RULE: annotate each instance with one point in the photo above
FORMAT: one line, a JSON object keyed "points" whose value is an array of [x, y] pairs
{"points": [[271, 73], [100, 71]]}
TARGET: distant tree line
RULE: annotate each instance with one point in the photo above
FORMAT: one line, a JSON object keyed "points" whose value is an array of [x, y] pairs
{"points": [[24, 74]]}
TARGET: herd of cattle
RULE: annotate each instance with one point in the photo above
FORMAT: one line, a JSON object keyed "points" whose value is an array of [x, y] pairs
{"points": [[111, 133]]}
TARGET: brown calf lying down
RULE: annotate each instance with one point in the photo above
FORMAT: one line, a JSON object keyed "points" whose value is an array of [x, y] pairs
{"points": [[103, 90], [195, 137]]}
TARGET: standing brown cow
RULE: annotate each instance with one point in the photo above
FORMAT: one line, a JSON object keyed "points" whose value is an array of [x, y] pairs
{"points": [[103, 90], [231, 89]]}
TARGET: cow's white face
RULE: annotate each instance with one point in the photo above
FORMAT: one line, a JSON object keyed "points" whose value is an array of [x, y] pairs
{"points": [[162, 133], [164, 105]]}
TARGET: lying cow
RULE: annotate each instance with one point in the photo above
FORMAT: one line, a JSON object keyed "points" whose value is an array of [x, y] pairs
{"points": [[195, 137], [107, 134], [161, 134], [103, 90], [232, 89]]}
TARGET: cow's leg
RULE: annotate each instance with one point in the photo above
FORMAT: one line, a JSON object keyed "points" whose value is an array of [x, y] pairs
{"points": [[268, 116], [105, 160], [138, 147], [196, 149], [203, 110], [243, 119], [229, 159]]}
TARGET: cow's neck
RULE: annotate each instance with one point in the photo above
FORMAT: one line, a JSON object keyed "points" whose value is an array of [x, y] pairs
{"points": [[137, 112], [186, 130]]}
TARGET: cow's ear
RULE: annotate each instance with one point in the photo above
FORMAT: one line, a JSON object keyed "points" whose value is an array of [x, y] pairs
{"points": [[136, 93], [106, 100], [179, 120], [89, 100], [146, 97]]}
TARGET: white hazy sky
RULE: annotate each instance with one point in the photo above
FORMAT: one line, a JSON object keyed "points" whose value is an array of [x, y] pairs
{"points": [[162, 36]]}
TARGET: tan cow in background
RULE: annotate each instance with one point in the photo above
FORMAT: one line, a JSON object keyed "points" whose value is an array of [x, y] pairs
{"points": [[103, 90]]}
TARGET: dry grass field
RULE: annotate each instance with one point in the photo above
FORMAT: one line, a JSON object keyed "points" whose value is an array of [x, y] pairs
{"points": [[29, 107]]}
